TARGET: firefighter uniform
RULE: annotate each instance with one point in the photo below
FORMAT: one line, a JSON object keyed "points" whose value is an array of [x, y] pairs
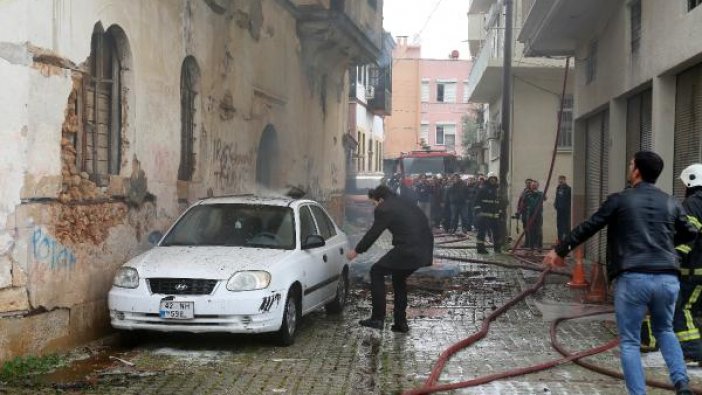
{"points": [[690, 296], [488, 211]]}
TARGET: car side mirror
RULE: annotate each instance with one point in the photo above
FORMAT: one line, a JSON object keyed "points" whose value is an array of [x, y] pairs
{"points": [[155, 237], [313, 241]]}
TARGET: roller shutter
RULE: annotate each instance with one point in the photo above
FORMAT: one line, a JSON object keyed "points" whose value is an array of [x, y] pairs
{"points": [[597, 163], [639, 125], [688, 124]]}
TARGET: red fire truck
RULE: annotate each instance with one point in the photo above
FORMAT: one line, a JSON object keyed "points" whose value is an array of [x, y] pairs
{"points": [[413, 163]]}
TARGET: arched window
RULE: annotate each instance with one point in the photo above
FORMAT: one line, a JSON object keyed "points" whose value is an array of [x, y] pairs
{"points": [[189, 77], [98, 147]]}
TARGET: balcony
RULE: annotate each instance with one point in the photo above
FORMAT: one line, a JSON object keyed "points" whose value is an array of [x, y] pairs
{"points": [[337, 30], [485, 79], [553, 27], [480, 6]]}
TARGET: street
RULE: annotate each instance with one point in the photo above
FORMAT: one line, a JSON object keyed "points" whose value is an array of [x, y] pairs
{"points": [[334, 355]]}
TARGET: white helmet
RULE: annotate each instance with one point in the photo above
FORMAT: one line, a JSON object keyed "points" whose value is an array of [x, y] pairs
{"points": [[491, 174], [692, 175]]}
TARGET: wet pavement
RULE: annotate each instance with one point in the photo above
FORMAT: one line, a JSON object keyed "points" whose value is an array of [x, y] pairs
{"points": [[333, 355]]}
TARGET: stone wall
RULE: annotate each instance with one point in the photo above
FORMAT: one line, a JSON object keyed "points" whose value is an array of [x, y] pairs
{"points": [[62, 233]]}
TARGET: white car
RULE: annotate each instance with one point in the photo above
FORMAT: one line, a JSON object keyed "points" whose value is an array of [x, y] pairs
{"points": [[239, 264]]}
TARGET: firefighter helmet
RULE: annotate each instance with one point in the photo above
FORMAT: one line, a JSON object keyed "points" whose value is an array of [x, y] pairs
{"points": [[491, 174], [692, 175]]}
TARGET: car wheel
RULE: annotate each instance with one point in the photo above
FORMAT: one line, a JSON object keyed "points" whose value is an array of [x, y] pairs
{"points": [[291, 318], [342, 292]]}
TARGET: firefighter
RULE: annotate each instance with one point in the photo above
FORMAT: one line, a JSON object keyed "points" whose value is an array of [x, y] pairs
{"points": [[690, 297], [487, 211]]}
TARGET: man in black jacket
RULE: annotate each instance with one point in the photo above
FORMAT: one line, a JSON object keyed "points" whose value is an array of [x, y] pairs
{"points": [[562, 206], [644, 226], [689, 299], [413, 247]]}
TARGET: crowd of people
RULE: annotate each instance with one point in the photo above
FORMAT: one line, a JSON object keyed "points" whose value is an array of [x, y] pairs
{"points": [[451, 204], [654, 251]]}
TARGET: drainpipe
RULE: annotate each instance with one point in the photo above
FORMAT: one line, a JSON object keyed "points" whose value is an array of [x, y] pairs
{"points": [[506, 115]]}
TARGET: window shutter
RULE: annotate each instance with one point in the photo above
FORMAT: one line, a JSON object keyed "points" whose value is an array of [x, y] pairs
{"points": [[597, 159], [425, 91], [688, 121], [450, 93]]}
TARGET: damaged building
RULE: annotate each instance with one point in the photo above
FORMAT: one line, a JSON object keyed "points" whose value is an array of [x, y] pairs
{"points": [[116, 115]]}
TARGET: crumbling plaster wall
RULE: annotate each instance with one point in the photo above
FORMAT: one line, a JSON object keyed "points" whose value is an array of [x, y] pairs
{"points": [[61, 236]]}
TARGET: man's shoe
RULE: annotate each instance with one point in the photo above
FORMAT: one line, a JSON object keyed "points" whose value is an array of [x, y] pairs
{"points": [[682, 388], [482, 250], [400, 328], [371, 323]]}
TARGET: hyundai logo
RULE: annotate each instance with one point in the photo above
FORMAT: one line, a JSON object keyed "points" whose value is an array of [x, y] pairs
{"points": [[181, 287]]}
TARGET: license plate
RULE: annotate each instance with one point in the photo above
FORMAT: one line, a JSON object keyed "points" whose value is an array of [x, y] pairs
{"points": [[176, 310]]}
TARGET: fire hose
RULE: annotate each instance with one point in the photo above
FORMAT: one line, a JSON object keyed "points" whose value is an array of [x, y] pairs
{"points": [[431, 386]]}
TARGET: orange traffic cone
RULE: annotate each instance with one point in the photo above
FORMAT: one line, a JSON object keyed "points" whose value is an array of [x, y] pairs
{"points": [[598, 289], [577, 278]]}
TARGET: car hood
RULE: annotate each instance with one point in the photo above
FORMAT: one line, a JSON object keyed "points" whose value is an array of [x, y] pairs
{"points": [[204, 262]]}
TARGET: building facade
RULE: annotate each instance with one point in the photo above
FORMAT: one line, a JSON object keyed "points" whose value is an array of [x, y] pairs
{"points": [[370, 101], [537, 86], [116, 115], [444, 97], [638, 85], [430, 104]]}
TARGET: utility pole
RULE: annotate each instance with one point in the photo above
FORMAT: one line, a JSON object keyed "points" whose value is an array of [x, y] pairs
{"points": [[506, 114]]}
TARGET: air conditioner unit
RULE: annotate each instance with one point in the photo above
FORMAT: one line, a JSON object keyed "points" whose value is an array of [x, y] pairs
{"points": [[370, 92]]}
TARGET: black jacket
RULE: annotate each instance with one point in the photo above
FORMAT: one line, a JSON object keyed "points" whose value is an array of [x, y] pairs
{"points": [[411, 235], [691, 253], [562, 202], [644, 226], [487, 202]]}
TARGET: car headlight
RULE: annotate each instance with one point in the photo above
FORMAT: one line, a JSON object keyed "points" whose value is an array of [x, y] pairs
{"points": [[126, 277], [249, 280]]}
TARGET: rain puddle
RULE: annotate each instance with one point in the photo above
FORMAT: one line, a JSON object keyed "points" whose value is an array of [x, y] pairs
{"points": [[551, 311], [84, 370]]}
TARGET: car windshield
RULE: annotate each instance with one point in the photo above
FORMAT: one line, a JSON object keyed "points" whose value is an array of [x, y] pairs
{"points": [[234, 225]]}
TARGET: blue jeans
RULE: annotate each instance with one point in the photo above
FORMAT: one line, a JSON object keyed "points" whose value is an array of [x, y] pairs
{"points": [[634, 294]]}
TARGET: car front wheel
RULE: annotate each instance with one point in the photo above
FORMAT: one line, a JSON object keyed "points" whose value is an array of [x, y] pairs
{"points": [[342, 292], [291, 316]]}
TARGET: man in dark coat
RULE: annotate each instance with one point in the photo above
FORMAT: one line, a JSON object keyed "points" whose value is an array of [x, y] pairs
{"points": [[562, 206], [413, 247]]}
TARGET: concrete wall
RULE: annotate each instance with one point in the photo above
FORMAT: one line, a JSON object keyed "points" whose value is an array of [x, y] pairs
{"points": [[534, 124], [61, 236], [669, 45]]}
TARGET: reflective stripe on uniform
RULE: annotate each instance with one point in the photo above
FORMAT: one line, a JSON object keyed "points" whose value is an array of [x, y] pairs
{"points": [[649, 329], [488, 215], [692, 333], [683, 248], [691, 272], [694, 221]]}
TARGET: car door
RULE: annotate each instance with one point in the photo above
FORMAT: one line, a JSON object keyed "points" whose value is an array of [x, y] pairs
{"points": [[335, 250], [314, 275]]}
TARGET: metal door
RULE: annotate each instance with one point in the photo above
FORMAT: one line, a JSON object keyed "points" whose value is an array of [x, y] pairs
{"points": [[688, 124]]}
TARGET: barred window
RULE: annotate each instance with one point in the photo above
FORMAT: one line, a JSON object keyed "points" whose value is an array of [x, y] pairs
{"points": [[565, 135], [189, 77], [98, 147], [635, 11]]}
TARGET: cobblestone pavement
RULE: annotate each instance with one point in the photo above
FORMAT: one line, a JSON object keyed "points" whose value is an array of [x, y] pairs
{"points": [[333, 355]]}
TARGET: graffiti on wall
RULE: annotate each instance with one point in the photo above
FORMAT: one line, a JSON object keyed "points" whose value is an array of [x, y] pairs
{"points": [[49, 251], [231, 167]]}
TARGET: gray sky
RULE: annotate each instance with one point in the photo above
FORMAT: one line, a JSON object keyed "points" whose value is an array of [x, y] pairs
{"points": [[443, 31]]}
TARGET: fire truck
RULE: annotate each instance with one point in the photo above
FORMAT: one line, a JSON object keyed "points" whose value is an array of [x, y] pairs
{"points": [[412, 164]]}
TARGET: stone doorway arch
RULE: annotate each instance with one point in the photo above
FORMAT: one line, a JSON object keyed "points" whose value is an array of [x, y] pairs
{"points": [[268, 157]]}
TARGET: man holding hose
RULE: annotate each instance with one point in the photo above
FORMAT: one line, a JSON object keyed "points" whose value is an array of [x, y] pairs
{"points": [[644, 226]]}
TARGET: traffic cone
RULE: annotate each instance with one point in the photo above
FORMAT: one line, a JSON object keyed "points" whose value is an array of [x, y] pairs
{"points": [[598, 289], [577, 278]]}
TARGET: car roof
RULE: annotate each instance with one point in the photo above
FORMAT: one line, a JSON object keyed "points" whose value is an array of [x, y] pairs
{"points": [[283, 201]]}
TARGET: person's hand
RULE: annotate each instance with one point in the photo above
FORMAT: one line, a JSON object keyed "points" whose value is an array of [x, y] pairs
{"points": [[552, 259], [351, 255]]}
